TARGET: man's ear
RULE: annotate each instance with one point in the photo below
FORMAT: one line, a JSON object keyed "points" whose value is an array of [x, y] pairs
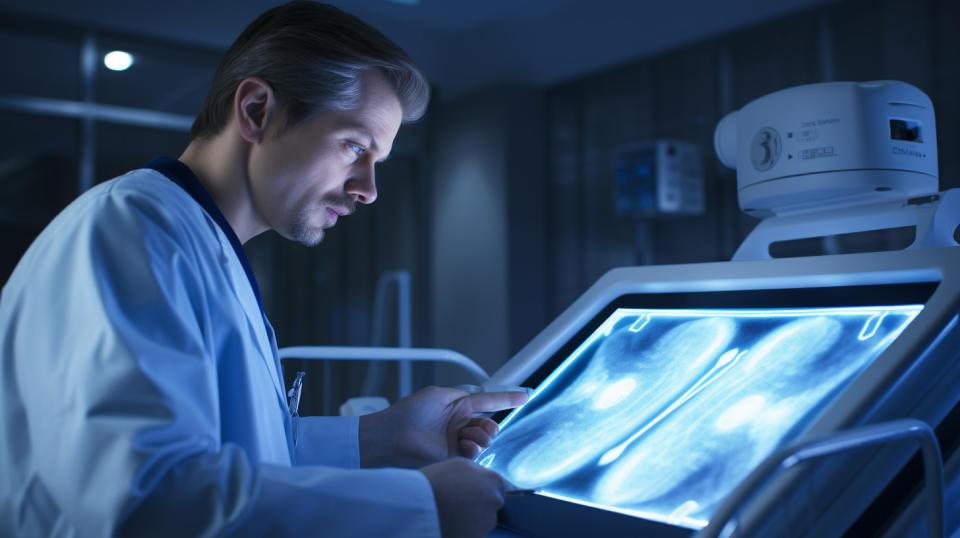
{"points": [[254, 106]]}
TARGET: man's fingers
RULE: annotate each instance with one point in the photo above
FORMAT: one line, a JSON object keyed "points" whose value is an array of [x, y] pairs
{"points": [[487, 424], [477, 435], [488, 402], [468, 448]]}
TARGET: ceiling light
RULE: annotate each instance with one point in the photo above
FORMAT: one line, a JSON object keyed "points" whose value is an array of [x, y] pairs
{"points": [[118, 60]]}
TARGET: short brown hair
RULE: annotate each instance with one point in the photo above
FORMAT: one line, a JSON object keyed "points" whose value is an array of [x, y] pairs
{"points": [[313, 56]]}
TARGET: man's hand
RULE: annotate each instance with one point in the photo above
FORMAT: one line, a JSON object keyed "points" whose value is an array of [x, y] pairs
{"points": [[433, 424], [468, 497]]}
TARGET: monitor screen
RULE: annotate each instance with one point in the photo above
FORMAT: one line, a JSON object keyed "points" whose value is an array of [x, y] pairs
{"points": [[660, 413]]}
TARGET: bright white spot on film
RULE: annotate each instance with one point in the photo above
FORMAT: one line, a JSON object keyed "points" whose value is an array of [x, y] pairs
{"points": [[728, 356], [741, 412], [487, 460], [614, 393], [118, 60], [613, 454]]}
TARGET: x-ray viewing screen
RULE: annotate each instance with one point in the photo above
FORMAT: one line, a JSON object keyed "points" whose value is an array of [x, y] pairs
{"points": [[661, 413]]}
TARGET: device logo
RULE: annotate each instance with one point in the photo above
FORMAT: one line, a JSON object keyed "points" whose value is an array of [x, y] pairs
{"points": [[765, 149]]}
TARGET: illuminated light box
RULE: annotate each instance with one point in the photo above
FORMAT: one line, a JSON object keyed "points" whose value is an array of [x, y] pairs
{"points": [[660, 413]]}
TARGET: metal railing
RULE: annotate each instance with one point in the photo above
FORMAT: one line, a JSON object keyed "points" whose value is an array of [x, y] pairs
{"points": [[725, 520], [371, 353]]}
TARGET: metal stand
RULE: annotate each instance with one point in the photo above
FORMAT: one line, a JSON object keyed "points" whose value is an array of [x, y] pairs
{"points": [[401, 281], [935, 217]]}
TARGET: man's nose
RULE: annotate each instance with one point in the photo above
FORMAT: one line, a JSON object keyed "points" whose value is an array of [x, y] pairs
{"points": [[362, 186]]}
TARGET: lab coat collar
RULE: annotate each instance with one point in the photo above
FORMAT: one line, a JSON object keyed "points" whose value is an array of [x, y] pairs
{"points": [[181, 174]]}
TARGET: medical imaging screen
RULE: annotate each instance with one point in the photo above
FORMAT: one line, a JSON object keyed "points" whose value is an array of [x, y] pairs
{"points": [[660, 413]]}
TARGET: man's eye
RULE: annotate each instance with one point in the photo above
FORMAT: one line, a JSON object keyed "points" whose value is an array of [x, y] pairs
{"points": [[356, 149]]}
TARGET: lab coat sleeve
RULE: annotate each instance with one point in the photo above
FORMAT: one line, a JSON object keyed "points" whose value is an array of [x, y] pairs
{"points": [[130, 441], [328, 441], [268, 500]]}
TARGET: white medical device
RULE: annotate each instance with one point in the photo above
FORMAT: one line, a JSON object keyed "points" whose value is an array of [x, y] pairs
{"points": [[831, 144], [662, 390], [835, 158]]}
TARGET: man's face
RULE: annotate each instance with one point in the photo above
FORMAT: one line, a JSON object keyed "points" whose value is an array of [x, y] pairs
{"points": [[302, 181]]}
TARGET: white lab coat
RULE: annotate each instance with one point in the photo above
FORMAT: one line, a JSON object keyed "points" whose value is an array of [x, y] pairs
{"points": [[141, 392]]}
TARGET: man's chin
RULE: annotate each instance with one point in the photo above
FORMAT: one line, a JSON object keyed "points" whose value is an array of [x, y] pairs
{"points": [[307, 228], [309, 237], [312, 240]]}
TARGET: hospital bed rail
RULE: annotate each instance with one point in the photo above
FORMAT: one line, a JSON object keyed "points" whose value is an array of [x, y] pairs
{"points": [[402, 355], [724, 522], [375, 353]]}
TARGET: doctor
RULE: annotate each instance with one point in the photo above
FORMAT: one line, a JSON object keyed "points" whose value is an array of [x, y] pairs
{"points": [[141, 389]]}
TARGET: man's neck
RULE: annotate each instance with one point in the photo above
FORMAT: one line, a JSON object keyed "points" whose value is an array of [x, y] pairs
{"points": [[220, 165]]}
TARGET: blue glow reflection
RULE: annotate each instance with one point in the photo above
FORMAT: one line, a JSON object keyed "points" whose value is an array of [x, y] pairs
{"points": [[660, 413]]}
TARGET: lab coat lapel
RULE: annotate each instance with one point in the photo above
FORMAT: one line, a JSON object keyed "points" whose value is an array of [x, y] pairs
{"points": [[257, 322]]}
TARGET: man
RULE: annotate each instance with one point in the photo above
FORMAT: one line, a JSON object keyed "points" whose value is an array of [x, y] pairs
{"points": [[141, 386]]}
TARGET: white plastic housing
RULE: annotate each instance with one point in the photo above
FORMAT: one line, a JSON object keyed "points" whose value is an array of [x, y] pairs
{"points": [[829, 145]]}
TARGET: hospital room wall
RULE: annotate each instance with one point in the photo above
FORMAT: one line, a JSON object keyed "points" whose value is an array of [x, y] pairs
{"points": [[562, 233], [487, 224], [42, 155]]}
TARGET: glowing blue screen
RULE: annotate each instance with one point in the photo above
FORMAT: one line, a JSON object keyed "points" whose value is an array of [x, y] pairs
{"points": [[661, 413]]}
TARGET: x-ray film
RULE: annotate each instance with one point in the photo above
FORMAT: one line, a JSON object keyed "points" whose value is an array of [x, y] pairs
{"points": [[661, 413]]}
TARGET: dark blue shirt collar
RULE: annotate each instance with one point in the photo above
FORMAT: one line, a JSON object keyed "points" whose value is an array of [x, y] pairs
{"points": [[181, 174]]}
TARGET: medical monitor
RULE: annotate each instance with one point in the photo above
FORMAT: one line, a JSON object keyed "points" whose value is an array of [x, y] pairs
{"points": [[663, 403]]}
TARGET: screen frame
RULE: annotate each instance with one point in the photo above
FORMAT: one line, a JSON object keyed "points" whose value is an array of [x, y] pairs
{"points": [[526, 514]]}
